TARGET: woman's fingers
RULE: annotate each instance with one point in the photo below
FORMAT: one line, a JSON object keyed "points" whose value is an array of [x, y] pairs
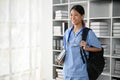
{"points": [[83, 44]]}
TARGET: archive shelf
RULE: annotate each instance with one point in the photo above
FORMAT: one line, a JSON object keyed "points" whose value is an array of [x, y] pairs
{"points": [[101, 11]]}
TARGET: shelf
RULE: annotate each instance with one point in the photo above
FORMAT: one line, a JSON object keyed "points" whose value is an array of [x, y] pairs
{"points": [[61, 4], [58, 66], [58, 35], [103, 36], [100, 18], [116, 37], [106, 11], [115, 75], [56, 50], [106, 73], [118, 57], [106, 55], [79, 2], [117, 17], [60, 19], [103, 77]]}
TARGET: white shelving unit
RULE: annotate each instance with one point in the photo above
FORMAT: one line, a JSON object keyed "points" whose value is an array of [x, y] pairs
{"points": [[100, 11]]}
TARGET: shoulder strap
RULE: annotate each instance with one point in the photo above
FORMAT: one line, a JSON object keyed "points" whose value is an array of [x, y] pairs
{"points": [[85, 33], [84, 37]]}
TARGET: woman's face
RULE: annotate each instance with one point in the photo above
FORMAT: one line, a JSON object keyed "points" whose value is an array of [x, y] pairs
{"points": [[76, 18]]}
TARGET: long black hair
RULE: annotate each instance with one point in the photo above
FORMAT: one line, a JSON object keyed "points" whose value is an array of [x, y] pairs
{"points": [[80, 10]]}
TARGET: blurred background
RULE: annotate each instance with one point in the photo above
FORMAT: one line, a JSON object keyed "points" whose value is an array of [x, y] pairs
{"points": [[25, 40]]}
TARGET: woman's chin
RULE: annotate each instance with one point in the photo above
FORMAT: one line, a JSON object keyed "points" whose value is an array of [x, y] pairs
{"points": [[74, 23]]}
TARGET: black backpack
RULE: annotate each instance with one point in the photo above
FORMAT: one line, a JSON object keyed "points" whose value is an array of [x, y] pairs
{"points": [[95, 62]]}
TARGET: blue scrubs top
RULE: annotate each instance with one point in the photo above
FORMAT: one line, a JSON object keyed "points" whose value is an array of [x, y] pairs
{"points": [[73, 64]]}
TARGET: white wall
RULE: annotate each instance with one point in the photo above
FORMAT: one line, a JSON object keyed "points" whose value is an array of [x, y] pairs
{"points": [[46, 40], [25, 39], [20, 39]]}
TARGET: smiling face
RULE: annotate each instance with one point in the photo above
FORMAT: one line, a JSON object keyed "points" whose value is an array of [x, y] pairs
{"points": [[76, 17]]}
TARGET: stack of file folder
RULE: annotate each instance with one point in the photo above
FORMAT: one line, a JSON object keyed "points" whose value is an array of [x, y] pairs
{"points": [[100, 28]]}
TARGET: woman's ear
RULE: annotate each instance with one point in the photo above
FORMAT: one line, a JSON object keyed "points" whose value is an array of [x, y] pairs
{"points": [[82, 17]]}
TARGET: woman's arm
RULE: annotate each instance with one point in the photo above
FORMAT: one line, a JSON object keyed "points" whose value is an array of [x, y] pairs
{"points": [[88, 48]]}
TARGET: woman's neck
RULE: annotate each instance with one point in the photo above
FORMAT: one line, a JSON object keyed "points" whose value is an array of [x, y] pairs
{"points": [[76, 28]]}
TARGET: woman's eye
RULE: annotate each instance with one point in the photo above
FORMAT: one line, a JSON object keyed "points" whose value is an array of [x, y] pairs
{"points": [[76, 15], [73, 15]]}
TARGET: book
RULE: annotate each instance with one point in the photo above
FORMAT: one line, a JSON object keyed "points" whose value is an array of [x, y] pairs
{"points": [[116, 23], [61, 56], [100, 31], [99, 23], [54, 44], [59, 70], [116, 31], [116, 34], [61, 17], [99, 27], [57, 30], [116, 27], [61, 11], [61, 44], [58, 44], [64, 27], [101, 34], [57, 78], [61, 14]]}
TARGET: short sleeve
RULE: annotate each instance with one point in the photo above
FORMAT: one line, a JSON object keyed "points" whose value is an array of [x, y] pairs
{"points": [[93, 40]]}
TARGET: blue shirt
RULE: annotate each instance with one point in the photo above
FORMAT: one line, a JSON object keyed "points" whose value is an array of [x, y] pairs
{"points": [[73, 64]]}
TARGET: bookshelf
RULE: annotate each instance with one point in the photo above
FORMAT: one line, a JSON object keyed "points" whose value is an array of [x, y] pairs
{"points": [[103, 17]]}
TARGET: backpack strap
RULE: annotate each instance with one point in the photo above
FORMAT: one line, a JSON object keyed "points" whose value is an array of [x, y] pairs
{"points": [[85, 33], [84, 37]]}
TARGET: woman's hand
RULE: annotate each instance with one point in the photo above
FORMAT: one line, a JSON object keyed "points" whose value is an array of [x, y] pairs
{"points": [[83, 44], [59, 62], [85, 47]]}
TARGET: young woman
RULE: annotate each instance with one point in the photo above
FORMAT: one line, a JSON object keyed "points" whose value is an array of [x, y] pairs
{"points": [[74, 68]]}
